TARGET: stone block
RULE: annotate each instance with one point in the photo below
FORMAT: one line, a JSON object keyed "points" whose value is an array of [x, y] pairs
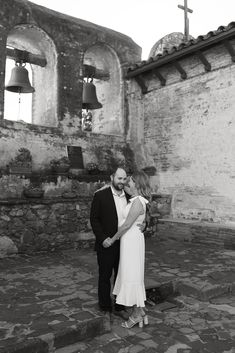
{"points": [[88, 328], [165, 306], [28, 346], [7, 247]]}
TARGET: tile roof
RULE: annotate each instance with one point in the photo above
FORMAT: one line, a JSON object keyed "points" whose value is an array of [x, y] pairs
{"points": [[185, 48]]}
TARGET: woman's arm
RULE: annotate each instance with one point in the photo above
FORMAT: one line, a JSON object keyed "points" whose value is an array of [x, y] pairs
{"points": [[135, 211]]}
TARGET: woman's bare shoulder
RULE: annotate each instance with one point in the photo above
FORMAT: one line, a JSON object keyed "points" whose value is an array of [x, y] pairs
{"points": [[136, 203]]}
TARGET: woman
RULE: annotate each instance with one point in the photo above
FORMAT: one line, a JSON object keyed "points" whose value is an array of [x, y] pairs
{"points": [[129, 286]]}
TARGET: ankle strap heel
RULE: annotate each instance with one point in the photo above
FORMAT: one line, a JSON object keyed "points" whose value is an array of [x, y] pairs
{"points": [[145, 320], [132, 322]]}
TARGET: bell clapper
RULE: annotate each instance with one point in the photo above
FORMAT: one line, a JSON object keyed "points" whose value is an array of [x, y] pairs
{"points": [[19, 101]]}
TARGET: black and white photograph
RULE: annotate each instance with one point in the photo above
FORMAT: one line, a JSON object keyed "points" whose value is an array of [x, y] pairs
{"points": [[117, 176]]}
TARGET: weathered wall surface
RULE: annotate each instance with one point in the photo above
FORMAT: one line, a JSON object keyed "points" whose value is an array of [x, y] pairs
{"points": [[187, 131], [61, 217], [47, 143], [71, 38]]}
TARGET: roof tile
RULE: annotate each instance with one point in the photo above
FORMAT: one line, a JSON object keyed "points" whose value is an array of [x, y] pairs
{"points": [[183, 45]]}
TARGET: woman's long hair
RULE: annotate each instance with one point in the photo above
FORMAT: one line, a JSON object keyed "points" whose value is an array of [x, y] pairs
{"points": [[142, 184]]}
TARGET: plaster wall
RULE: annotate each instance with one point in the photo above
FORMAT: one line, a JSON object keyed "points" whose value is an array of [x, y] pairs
{"points": [[46, 144]]}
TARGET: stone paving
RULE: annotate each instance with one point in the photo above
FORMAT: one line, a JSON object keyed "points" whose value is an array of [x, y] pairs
{"points": [[194, 328], [49, 301]]}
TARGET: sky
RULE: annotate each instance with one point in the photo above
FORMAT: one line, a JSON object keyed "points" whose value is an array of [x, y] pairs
{"points": [[147, 21]]}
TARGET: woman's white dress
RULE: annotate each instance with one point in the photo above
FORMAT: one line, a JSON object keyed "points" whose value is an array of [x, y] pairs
{"points": [[129, 286]]}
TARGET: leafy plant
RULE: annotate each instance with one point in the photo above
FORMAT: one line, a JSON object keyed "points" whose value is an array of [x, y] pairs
{"points": [[60, 161], [23, 158], [91, 166], [60, 165]]}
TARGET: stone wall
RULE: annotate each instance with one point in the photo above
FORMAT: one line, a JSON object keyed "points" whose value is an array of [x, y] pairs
{"points": [[58, 220], [46, 225]]}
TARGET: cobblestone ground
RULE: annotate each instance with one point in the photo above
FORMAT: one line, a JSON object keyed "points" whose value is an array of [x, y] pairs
{"points": [[196, 327], [48, 295]]}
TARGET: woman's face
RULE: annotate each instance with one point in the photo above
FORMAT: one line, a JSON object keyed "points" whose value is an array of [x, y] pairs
{"points": [[130, 186]]}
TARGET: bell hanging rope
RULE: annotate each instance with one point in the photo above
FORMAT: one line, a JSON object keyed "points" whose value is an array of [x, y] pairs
{"points": [[89, 97], [19, 80]]}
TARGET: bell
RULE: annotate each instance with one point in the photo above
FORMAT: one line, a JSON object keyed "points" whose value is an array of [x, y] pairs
{"points": [[19, 80], [89, 98]]}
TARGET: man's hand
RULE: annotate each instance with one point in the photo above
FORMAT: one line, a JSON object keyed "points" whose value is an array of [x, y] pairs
{"points": [[141, 226], [107, 242]]}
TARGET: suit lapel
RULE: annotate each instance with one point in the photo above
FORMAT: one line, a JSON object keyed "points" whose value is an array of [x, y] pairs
{"points": [[111, 201]]}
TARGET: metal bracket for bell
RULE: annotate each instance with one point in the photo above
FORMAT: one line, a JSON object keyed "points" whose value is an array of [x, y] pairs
{"points": [[19, 80]]}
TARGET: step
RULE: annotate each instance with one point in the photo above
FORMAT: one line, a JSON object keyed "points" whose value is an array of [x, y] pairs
{"points": [[201, 290], [73, 348], [70, 336]]}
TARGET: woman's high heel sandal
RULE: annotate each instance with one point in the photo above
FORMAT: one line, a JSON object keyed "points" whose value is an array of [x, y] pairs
{"points": [[132, 322], [145, 319]]}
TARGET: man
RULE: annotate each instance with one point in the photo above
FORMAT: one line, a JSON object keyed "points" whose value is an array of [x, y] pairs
{"points": [[105, 217]]}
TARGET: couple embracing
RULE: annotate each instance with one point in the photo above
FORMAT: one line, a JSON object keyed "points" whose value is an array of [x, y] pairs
{"points": [[117, 217]]}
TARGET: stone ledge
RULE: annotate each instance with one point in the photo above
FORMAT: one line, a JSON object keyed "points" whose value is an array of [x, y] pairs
{"points": [[44, 201], [88, 328], [205, 293], [51, 341], [202, 291], [196, 223], [32, 345], [211, 234]]}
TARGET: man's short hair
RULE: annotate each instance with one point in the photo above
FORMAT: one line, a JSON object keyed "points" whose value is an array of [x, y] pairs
{"points": [[114, 169]]}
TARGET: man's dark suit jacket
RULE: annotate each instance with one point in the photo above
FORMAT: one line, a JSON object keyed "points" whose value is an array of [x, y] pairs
{"points": [[103, 216]]}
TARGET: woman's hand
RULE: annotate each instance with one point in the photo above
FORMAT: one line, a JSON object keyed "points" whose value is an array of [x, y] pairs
{"points": [[142, 226]]}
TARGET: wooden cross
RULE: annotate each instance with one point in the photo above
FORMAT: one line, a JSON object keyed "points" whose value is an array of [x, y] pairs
{"points": [[186, 20]]}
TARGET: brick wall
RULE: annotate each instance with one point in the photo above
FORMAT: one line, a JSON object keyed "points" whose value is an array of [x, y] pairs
{"points": [[186, 130]]}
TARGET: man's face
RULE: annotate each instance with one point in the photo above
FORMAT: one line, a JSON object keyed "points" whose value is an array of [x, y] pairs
{"points": [[119, 179]]}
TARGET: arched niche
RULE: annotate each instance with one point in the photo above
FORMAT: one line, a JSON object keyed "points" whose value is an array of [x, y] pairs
{"points": [[44, 78], [109, 88]]}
